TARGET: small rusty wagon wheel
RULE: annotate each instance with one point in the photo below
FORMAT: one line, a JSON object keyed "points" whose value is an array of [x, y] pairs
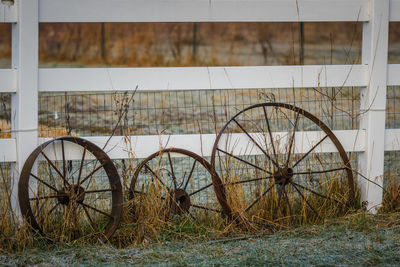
{"points": [[268, 167], [68, 198], [173, 181]]}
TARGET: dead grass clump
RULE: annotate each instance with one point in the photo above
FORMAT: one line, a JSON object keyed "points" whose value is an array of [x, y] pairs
{"points": [[276, 213], [391, 195]]}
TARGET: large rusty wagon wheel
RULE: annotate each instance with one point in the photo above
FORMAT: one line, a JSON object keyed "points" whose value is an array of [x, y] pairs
{"points": [[173, 181], [264, 172], [66, 199]]}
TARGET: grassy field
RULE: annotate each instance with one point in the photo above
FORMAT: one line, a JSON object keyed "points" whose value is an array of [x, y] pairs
{"points": [[357, 240]]}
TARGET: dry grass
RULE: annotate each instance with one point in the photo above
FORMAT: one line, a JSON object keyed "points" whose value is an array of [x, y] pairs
{"points": [[147, 219], [391, 195], [44, 130]]}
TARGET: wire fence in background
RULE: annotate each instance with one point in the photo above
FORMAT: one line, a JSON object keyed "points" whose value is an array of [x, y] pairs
{"points": [[187, 112], [182, 112]]}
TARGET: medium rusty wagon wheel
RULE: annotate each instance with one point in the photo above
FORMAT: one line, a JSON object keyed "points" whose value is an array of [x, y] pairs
{"points": [[173, 181], [266, 173], [68, 199]]}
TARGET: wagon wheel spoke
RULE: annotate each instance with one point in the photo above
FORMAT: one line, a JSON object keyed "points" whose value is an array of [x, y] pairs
{"points": [[155, 175], [45, 197], [279, 202], [249, 180], [244, 161], [60, 193], [43, 182], [270, 134], [309, 151], [314, 192], [288, 203], [201, 189], [190, 175], [258, 198], [286, 116], [97, 210], [283, 158], [54, 167], [252, 139], [190, 192], [292, 137], [323, 171], [81, 167], [145, 194], [91, 174], [90, 177], [304, 198], [204, 208], [53, 209], [172, 170], [90, 219], [99, 191], [63, 159], [43, 218]]}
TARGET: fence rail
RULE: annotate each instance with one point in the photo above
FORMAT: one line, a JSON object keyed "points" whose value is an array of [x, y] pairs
{"points": [[25, 79], [201, 10]]}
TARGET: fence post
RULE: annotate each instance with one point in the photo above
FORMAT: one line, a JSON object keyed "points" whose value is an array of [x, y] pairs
{"points": [[373, 104], [24, 103]]}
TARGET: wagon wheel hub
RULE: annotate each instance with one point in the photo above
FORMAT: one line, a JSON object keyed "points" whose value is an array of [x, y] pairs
{"points": [[73, 193], [179, 201], [283, 176]]}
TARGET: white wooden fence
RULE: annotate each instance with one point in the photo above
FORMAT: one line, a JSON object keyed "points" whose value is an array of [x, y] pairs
{"points": [[25, 79]]}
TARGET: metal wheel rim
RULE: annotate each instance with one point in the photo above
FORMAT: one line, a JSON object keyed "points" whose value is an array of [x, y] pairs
{"points": [[197, 159], [218, 184], [105, 163]]}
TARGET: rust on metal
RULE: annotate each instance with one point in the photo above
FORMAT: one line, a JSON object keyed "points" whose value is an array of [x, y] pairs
{"points": [[179, 200], [67, 191], [279, 176]]}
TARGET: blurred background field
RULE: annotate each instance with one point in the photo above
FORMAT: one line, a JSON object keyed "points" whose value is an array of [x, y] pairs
{"points": [[193, 44]]}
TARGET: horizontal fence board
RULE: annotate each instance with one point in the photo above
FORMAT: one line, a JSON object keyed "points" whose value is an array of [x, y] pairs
{"points": [[8, 12], [8, 150], [394, 10], [392, 139], [8, 81], [142, 146], [197, 78], [202, 10], [393, 74]]}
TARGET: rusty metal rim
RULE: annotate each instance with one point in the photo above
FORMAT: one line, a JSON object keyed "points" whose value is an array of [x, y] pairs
{"points": [[108, 166], [185, 152], [218, 185]]}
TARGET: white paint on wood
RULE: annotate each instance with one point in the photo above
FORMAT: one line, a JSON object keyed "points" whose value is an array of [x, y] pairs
{"points": [[197, 78], [373, 103], [8, 11], [202, 10], [392, 139], [8, 81], [24, 103], [142, 146], [8, 151], [393, 75], [394, 10]]}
